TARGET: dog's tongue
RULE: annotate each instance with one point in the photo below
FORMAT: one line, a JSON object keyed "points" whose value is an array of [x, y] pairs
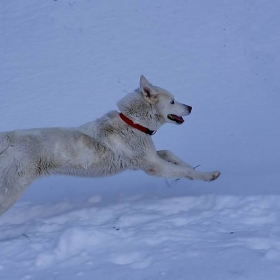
{"points": [[179, 119]]}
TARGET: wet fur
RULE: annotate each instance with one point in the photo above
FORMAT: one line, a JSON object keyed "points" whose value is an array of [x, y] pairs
{"points": [[103, 147]]}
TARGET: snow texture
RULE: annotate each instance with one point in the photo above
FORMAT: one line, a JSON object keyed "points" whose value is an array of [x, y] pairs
{"points": [[67, 62]]}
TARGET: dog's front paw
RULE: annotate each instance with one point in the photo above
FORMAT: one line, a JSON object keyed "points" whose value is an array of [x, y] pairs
{"points": [[211, 176], [214, 175]]}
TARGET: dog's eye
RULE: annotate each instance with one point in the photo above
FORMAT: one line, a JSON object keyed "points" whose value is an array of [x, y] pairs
{"points": [[172, 102]]}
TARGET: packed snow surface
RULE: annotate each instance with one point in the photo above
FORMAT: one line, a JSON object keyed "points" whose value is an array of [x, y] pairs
{"points": [[65, 63]]}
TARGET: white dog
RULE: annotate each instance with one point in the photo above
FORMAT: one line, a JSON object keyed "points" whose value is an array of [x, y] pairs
{"points": [[111, 144]]}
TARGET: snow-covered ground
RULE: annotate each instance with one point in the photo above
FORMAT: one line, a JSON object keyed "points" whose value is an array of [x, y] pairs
{"points": [[204, 237], [64, 63]]}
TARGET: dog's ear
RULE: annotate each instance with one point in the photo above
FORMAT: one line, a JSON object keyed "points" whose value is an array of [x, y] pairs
{"points": [[149, 92]]}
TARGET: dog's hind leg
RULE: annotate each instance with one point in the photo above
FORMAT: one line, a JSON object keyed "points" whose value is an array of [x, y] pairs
{"points": [[14, 179], [4, 142], [7, 200], [11, 191]]}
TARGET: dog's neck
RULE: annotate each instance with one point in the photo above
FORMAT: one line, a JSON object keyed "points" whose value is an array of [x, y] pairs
{"points": [[137, 126]]}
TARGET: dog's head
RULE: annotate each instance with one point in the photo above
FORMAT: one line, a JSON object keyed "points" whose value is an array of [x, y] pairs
{"points": [[169, 109], [152, 106]]}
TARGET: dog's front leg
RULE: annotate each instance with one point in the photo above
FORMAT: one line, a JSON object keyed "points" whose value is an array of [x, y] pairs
{"points": [[169, 166], [170, 157], [162, 168]]}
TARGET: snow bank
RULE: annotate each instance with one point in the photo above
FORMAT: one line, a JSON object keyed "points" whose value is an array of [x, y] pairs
{"points": [[217, 236]]}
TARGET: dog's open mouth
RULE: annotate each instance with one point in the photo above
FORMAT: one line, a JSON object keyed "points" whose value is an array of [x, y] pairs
{"points": [[177, 119]]}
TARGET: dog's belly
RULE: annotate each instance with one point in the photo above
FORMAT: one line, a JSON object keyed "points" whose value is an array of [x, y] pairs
{"points": [[97, 169]]}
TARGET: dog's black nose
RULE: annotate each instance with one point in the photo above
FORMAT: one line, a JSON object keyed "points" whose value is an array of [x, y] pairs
{"points": [[189, 108]]}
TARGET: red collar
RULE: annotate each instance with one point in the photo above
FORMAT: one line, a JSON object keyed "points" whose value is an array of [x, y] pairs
{"points": [[137, 126]]}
